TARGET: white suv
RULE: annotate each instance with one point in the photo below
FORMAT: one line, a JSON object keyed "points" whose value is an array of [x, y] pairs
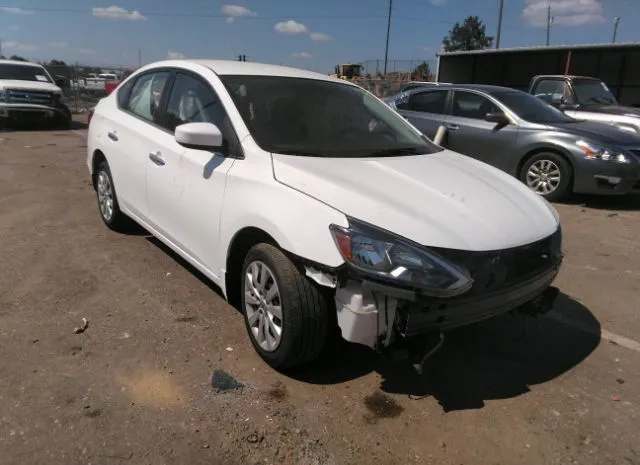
{"points": [[311, 203]]}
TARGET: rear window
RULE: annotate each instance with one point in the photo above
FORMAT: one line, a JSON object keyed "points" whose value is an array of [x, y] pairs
{"points": [[23, 73]]}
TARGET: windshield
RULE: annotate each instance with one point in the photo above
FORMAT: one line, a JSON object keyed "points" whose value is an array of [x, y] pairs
{"points": [[532, 109], [321, 118], [23, 73], [591, 92]]}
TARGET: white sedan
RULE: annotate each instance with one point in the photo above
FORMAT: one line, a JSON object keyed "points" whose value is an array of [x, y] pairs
{"points": [[311, 203]]}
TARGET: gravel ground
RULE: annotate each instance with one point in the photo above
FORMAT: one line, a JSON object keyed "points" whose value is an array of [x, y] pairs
{"points": [[136, 386]]}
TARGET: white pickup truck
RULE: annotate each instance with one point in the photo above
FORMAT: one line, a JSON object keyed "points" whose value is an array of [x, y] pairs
{"points": [[29, 94]]}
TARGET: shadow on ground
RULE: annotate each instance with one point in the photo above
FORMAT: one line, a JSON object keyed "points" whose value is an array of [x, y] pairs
{"points": [[605, 202], [497, 359]]}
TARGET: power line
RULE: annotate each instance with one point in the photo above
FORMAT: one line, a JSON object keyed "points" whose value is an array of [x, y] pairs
{"points": [[223, 16]]}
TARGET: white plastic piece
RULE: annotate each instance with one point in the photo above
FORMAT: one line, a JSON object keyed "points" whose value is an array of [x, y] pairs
{"points": [[322, 278], [357, 314], [439, 137]]}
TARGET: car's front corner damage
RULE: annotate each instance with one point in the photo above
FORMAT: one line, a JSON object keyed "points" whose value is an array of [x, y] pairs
{"points": [[384, 316]]}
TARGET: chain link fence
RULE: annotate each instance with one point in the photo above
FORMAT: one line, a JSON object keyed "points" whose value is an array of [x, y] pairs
{"points": [[83, 86]]}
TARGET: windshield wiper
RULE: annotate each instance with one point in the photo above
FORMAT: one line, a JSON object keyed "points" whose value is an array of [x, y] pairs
{"points": [[396, 151]]}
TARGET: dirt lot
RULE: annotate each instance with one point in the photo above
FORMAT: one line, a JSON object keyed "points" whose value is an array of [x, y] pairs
{"points": [[135, 387]]}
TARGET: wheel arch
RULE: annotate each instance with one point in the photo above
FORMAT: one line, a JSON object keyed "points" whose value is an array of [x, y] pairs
{"points": [[555, 150], [96, 158], [239, 246]]}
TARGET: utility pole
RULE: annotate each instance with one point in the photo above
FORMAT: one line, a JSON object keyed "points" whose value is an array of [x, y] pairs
{"points": [[499, 24], [386, 49], [616, 20], [548, 22]]}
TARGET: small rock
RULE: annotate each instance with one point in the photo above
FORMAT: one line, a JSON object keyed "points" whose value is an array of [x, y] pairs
{"points": [[615, 398], [620, 380], [253, 438], [229, 349], [35, 341], [206, 446]]}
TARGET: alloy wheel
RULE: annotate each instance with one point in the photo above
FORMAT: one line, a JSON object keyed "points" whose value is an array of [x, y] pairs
{"points": [[105, 196], [263, 305], [543, 177]]}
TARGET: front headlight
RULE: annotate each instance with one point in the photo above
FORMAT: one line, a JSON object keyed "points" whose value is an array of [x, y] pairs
{"points": [[596, 152], [382, 255]]}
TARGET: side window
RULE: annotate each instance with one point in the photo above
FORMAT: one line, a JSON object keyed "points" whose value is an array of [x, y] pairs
{"points": [[146, 93], [123, 93], [470, 105], [193, 101], [550, 88], [428, 102]]}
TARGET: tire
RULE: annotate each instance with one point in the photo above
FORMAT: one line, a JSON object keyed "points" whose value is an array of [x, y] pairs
{"points": [[104, 185], [550, 166], [64, 119], [304, 309]]}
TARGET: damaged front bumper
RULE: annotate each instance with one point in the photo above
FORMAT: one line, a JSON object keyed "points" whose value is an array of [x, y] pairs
{"points": [[378, 313]]}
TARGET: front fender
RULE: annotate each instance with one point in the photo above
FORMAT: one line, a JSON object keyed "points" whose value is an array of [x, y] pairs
{"points": [[297, 222]]}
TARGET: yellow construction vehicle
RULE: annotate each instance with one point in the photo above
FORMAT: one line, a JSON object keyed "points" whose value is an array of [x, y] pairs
{"points": [[347, 71]]}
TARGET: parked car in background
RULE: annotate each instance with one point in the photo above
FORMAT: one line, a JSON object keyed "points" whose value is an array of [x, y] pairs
{"points": [[29, 94], [546, 149], [112, 84], [308, 200], [587, 99]]}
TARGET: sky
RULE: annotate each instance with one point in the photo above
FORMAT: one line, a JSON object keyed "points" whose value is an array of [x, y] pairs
{"points": [[313, 34]]}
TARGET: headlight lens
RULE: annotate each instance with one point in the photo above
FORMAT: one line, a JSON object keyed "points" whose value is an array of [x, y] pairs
{"points": [[596, 152], [382, 255]]}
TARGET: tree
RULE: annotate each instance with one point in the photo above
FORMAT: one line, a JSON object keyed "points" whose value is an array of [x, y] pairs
{"points": [[422, 72], [57, 63], [470, 35], [17, 58]]}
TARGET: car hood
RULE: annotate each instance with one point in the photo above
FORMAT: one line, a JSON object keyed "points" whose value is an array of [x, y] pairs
{"points": [[600, 132], [29, 85], [613, 109], [439, 200]]}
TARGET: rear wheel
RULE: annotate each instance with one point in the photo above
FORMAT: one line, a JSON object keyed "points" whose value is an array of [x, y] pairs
{"points": [[107, 200], [548, 175], [286, 315]]}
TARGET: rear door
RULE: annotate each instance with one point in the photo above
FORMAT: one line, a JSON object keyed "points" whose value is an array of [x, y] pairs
{"points": [[469, 133], [426, 110], [132, 130]]}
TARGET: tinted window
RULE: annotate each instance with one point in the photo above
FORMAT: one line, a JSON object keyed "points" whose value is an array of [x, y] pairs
{"points": [[428, 102], [590, 92], [313, 117], [470, 105], [124, 91], [145, 96], [531, 108], [23, 73], [193, 101]]}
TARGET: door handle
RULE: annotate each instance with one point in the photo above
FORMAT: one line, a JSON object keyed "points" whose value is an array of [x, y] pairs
{"points": [[156, 158], [113, 135], [453, 127]]}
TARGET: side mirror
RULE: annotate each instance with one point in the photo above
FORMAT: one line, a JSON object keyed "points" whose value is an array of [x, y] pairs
{"points": [[200, 136], [60, 83], [557, 100], [498, 118]]}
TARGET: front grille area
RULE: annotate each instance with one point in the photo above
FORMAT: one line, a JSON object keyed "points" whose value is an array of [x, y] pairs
{"points": [[496, 270], [29, 96]]}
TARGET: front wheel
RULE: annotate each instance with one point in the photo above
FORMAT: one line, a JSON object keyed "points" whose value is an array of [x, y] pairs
{"points": [[548, 175], [286, 315]]}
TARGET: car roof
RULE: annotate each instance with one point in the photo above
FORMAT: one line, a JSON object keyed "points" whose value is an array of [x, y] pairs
{"points": [[247, 68], [565, 76], [479, 87], [19, 62]]}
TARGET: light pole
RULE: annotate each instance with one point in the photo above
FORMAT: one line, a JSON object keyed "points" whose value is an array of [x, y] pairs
{"points": [[499, 23], [548, 23], [616, 20], [386, 48]]}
